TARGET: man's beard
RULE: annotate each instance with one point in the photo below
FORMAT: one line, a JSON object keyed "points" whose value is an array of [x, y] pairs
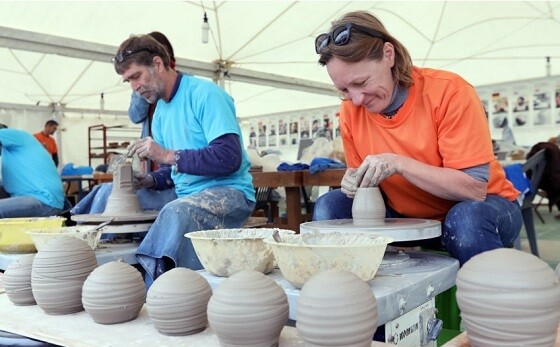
{"points": [[151, 96]]}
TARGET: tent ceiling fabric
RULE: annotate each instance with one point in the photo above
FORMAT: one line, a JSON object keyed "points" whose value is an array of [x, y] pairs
{"points": [[59, 52]]}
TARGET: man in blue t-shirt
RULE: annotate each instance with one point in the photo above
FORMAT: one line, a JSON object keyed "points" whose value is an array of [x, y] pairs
{"points": [[29, 176], [198, 145]]}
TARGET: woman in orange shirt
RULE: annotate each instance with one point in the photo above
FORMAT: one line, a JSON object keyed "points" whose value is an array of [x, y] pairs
{"points": [[420, 135]]}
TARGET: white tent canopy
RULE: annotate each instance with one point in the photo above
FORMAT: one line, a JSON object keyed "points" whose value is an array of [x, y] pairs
{"points": [[59, 52]]}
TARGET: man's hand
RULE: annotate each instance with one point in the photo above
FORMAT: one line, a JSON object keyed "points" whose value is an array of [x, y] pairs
{"points": [[141, 180], [147, 148], [349, 183]]}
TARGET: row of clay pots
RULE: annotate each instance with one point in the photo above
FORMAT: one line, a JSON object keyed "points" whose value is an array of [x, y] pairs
{"points": [[63, 278], [247, 309]]}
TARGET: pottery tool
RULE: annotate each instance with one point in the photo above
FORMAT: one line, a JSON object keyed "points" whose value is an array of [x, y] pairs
{"points": [[121, 159], [101, 225], [276, 236]]}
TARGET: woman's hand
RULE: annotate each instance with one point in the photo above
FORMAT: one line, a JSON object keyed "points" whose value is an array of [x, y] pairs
{"points": [[375, 168], [349, 183]]}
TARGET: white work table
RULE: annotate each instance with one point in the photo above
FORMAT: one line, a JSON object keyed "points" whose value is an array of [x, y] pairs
{"points": [[79, 330]]}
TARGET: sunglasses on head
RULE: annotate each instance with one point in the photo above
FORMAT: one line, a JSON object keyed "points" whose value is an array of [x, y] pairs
{"points": [[341, 35], [121, 56]]}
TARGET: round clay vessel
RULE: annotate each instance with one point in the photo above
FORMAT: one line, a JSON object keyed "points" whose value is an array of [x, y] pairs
{"points": [[177, 302], [58, 274], [17, 281], [368, 207], [336, 308], [114, 293], [509, 298], [248, 309]]}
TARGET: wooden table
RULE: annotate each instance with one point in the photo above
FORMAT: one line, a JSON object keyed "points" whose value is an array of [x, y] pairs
{"points": [[327, 178], [91, 181], [293, 182]]}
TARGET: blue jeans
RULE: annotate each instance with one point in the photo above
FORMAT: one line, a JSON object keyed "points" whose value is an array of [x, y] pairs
{"points": [[26, 206], [165, 246], [469, 228]]}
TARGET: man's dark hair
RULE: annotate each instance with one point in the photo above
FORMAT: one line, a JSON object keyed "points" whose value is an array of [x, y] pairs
{"points": [[3, 126], [141, 50], [164, 41], [51, 122]]}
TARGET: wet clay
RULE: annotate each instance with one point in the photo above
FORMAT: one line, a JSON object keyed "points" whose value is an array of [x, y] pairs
{"points": [[17, 281], [509, 298], [368, 207], [123, 199], [177, 302], [248, 309], [336, 308], [114, 293], [58, 274]]}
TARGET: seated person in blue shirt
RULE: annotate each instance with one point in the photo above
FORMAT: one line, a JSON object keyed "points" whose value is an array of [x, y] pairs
{"points": [[29, 177], [198, 146]]}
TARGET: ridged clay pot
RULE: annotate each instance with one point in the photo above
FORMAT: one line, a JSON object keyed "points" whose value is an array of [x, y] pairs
{"points": [[177, 302], [114, 293], [17, 281], [58, 274], [509, 298], [248, 309], [368, 207], [336, 308]]}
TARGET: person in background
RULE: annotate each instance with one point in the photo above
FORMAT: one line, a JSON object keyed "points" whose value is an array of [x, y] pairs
{"points": [[140, 110], [29, 177], [46, 139], [198, 146], [507, 133], [419, 134]]}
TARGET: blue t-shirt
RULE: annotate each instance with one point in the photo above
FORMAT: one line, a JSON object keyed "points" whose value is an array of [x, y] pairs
{"points": [[28, 170], [198, 113]]}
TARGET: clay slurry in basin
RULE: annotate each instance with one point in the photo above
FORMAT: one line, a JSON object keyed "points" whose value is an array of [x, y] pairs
{"points": [[224, 252], [302, 256]]}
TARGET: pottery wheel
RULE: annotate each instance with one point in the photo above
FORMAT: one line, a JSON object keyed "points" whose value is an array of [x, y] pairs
{"points": [[120, 224], [399, 229], [147, 216], [123, 206]]}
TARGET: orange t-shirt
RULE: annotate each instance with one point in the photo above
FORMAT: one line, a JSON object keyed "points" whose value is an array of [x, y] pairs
{"points": [[441, 123], [47, 141]]}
